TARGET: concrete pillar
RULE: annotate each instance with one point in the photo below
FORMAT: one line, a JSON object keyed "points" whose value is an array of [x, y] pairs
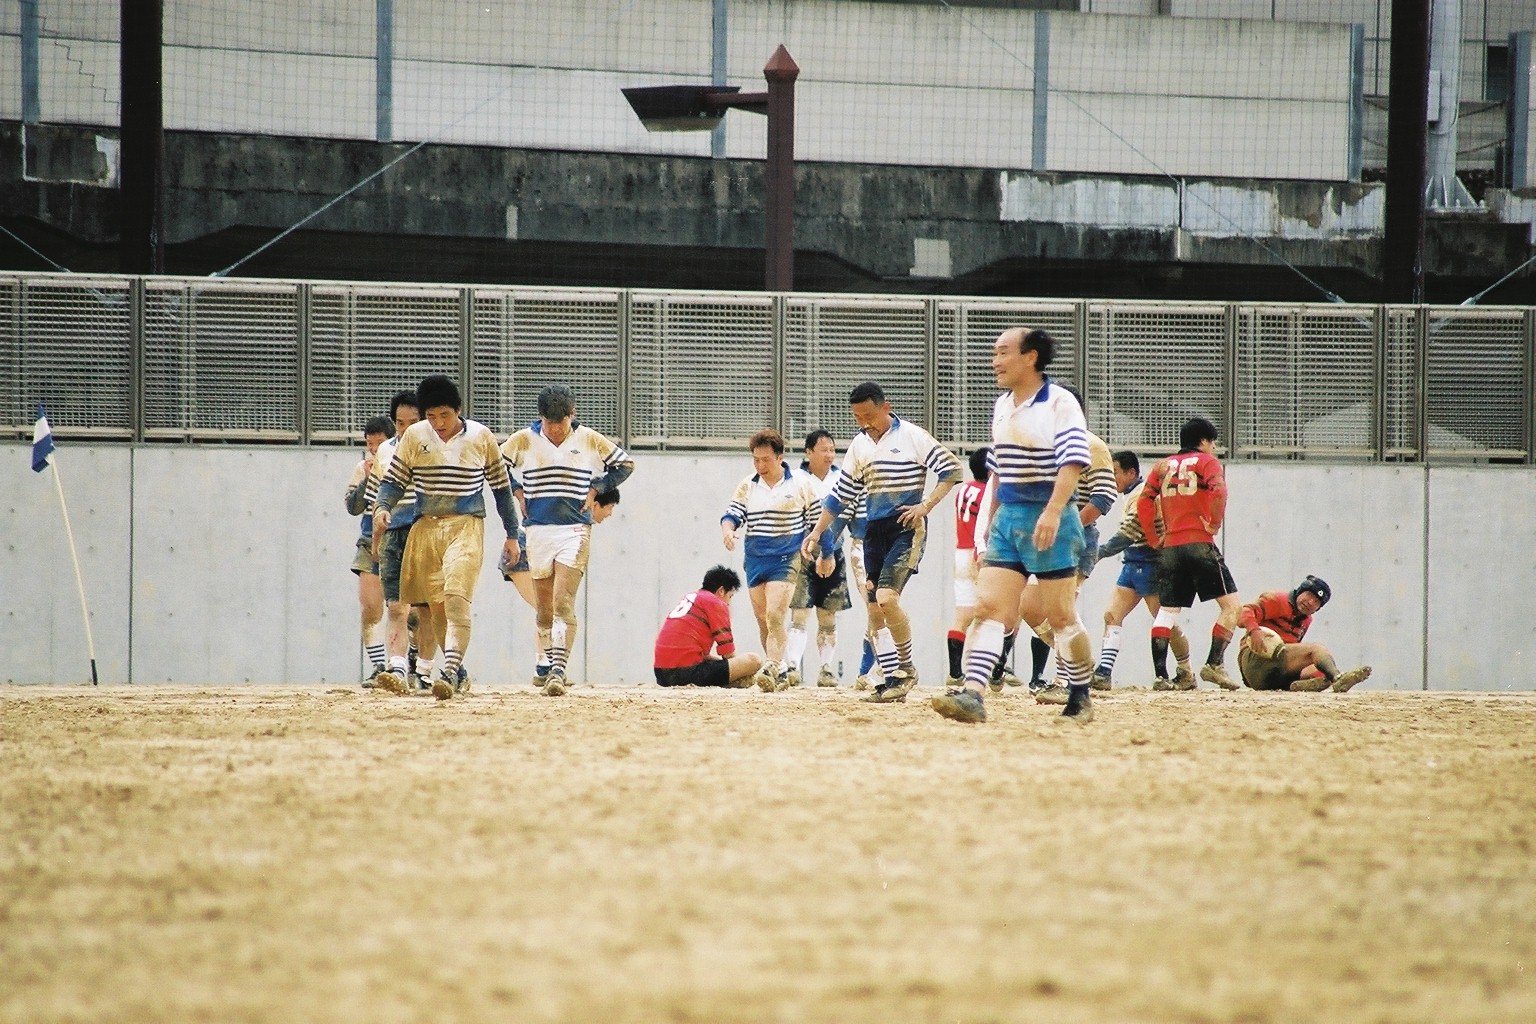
{"points": [[1444, 190]]}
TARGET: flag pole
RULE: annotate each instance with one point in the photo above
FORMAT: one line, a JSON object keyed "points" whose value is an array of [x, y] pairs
{"points": [[90, 644]]}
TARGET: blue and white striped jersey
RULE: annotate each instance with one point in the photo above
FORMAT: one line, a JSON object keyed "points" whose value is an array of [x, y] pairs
{"points": [[555, 479], [777, 517], [404, 512], [1031, 442], [449, 477], [892, 471], [1096, 486]]}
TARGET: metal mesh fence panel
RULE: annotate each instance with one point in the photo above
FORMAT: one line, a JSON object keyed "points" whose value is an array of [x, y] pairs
{"points": [[966, 385], [1305, 379], [1400, 379], [221, 359], [525, 340], [1151, 367], [1477, 382], [369, 342], [702, 368], [66, 343], [833, 344]]}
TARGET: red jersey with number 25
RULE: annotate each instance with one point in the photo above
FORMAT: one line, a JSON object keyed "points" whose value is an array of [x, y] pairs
{"points": [[1192, 490], [700, 621]]}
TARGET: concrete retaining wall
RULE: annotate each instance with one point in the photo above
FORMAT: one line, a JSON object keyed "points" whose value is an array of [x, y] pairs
{"points": [[226, 565]]}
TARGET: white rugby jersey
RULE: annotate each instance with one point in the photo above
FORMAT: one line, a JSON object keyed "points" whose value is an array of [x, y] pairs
{"points": [[449, 477], [404, 512], [892, 471], [1031, 442], [555, 479], [777, 517], [824, 489]]}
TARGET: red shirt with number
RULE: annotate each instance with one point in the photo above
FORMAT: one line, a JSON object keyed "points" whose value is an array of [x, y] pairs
{"points": [[1191, 489], [967, 507], [700, 621]]}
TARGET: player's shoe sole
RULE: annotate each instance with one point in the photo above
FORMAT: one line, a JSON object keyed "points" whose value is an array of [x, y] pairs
{"points": [[1350, 678], [965, 706], [1218, 675]]}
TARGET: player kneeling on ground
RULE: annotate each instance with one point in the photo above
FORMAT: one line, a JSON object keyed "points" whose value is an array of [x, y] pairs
{"points": [[702, 621], [1272, 656]]}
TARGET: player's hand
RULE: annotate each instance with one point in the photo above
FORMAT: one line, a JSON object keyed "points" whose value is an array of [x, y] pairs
{"points": [[910, 515], [379, 526], [825, 564], [591, 502], [810, 548], [1265, 642], [511, 552], [728, 535], [1046, 528]]}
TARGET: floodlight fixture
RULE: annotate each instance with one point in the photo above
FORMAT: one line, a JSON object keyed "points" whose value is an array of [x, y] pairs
{"points": [[680, 108]]}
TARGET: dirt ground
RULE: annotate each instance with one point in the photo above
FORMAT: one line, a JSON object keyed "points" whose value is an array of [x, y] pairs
{"points": [[634, 854]]}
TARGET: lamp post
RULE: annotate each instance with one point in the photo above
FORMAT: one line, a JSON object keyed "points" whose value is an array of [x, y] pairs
{"points": [[673, 108]]}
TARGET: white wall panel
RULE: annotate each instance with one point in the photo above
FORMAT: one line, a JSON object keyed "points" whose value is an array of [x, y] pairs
{"points": [[899, 125], [1236, 59], [539, 108], [1195, 136], [42, 629], [241, 566], [334, 27], [864, 43], [77, 81], [250, 91], [1483, 561], [658, 37]]}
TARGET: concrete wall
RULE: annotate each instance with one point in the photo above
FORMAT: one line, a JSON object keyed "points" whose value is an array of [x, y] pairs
{"points": [[226, 565]]}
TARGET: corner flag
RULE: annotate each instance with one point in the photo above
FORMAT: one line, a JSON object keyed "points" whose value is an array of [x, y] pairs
{"points": [[42, 440], [42, 450]]}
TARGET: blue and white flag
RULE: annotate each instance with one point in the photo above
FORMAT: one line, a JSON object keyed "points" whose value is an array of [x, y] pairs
{"points": [[42, 440]]}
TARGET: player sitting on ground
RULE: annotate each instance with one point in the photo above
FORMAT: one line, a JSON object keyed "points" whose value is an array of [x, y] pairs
{"points": [[702, 621], [1272, 655]]}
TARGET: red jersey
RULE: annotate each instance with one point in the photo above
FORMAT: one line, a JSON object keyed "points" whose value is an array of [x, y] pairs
{"points": [[1275, 610], [967, 507], [1191, 489], [699, 622]]}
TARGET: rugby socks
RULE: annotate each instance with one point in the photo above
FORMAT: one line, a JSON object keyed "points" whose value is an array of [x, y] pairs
{"points": [[1074, 655], [1178, 643], [867, 658], [557, 649], [956, 644], [377, 657], [1109, 653], [1039, 651], [1002, 662], [826, 647], [1160, 652], [885, 653], [987, 639], [1220, 637], [794, 646]]}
